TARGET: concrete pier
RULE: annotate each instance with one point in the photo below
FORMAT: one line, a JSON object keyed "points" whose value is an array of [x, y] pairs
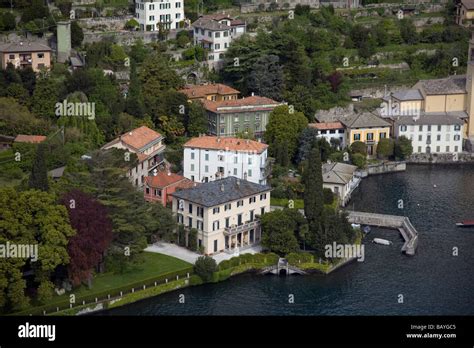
{"points": [[401, 223]]}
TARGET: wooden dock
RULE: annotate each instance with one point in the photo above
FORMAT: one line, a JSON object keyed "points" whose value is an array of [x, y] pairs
{"points": [[401, 223]]}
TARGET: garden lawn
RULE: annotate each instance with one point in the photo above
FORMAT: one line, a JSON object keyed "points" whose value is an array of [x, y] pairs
{"points": [[154, 265]]}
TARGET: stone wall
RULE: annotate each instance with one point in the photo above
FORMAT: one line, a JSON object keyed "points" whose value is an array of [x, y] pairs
{"points": [[386, 167], [448, 158]]}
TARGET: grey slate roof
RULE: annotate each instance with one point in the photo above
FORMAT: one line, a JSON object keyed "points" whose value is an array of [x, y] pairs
{"points": [[24, 47], [221, 191], [408, 94], [431, 118], [450, 85], [338, 173], [364, 120], [210, 24]]}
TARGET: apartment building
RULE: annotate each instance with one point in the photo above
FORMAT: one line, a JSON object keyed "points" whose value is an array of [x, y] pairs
{"points": [[153, 14], [225, 213], [232, 117], [209, 158], [147, 145], [215, 33], [435, 133], [26, 54], [211, 92], [332, 132]]}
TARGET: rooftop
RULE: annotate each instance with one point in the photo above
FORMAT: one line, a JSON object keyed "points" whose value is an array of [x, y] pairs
{"points": [[210, 24], [221, 191], [230, 144], [408, 94], [326, 125], [164, 179], [468, 4], [137, 138], [201, 91], [24, 47], [253, 103], [455, 84], [364, 120], [36, 139], [338, 173], [431, 118]]}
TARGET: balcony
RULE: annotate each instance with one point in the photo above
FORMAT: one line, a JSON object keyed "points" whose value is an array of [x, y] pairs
{"points": [[242, 228]]}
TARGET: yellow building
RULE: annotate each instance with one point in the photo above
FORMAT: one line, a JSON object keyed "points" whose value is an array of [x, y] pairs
{"points": [[367, 128], [465, 12], [22, 55], [211, 92]]}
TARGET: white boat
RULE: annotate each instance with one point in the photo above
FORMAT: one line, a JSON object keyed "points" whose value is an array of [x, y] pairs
{"points": [[355, 225], [382, 241]]}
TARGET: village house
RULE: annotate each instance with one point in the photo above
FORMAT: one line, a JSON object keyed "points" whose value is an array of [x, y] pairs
{"points": [[160, 185], [147, 145], [33, 139], [342, 179], [225, 213], [212, 92], [208, 158], [154, 16], [332, 132], [465, 12], [367, 128], [25, 54], [233, 117]]}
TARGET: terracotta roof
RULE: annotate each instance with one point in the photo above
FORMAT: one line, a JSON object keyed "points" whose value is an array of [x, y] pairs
{"points": [[201, 91], [140, 137], [163, 179], [253, 103], [326, 125], [237, 22], [231, 144], [36, 139], [24, 47]]}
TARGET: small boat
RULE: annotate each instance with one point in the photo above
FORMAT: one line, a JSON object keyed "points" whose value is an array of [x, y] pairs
{"points": [[355, 225], [465, 223], [366, 229], [381, 241]]}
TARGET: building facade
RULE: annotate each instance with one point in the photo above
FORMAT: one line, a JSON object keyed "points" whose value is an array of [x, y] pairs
{"points": [[439, 133], [232, 117], [342, 179], [160, 185], [225, 213], [211, 92], [465, 12], [332, 132], [209, 158], [147, 145], [26, 54], [153, 15]]}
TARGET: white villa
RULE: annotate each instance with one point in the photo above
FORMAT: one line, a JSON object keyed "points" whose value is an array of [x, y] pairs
{"points": [[208, 158], [341, 178], [151, 14], [225, 213]]}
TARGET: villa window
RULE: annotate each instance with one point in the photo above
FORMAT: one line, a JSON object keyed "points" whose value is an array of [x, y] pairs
{"points": [[240, 203], [190, 208], [215, 210], [227, 206], [215, 225], [227, 222], [190, 222], [41, 55], [192, 155], [206, 157], [356, 137], [457, 137], [370, 136], [383, 135], [457, 127], [438, 138], [147, 190], [235, 171], [250, 173], [439, 128], [420, 128], [263, 196]]}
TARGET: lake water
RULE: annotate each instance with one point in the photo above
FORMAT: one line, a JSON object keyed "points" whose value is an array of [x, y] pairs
{"points": [[433, 282]]}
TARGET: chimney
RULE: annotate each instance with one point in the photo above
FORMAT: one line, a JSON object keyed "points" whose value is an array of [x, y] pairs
{"points": [[218, 140], [253, 94], [247, 141], [155, 172], [238, 182], [169, 173], [21, 43], [222, 187]]}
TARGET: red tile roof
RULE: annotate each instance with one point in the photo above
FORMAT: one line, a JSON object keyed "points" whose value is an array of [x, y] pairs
{"points": [[36, 139], [201, 91], [163, 179], [230, 144], [139, 137], [253, 103], [326, 125]]}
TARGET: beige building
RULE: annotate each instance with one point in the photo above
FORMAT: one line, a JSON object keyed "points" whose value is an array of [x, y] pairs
{"points": [[465, 12], [26, 54], [225, 213]]}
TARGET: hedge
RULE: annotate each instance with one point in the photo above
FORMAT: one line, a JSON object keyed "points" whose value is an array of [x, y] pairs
{"points": [[260, 258], [298, 258], [64, 304]]}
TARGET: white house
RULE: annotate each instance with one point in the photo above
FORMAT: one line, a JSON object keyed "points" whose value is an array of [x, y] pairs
{"points": [[333, 132], [147, 145], [341, 178], [432, 133], [225, 213], [207, 158], [215, 33], [151, 13]]}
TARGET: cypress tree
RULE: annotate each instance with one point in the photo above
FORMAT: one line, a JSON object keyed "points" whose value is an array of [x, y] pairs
{"points": [[39, 176]]}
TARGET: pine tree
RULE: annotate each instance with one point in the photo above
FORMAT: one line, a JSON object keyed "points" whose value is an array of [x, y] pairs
{"points": [[39, 176]]}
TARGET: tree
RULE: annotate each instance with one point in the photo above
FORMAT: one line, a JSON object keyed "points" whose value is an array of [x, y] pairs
{"points": [[266, 77], [37, 10], [408, 31], [17, 119], [31, 217], [279, 230], [77, 35], [385, 148], [205, 266], [45, 96], [196, 122], [403, 148], [313, 189], [359, 160], [359, 147], [94, 233], [284, 127], [39, 175], [8, 21]]}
